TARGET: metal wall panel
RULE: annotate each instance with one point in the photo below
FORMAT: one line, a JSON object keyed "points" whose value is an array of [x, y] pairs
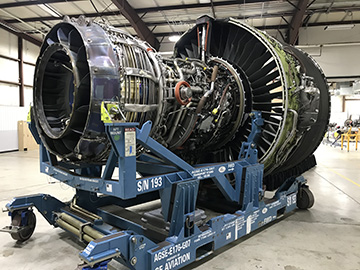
{"points": [[9, 116]]}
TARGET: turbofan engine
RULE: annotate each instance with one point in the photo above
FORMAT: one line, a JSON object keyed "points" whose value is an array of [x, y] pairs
{"points": [[199, 100]]}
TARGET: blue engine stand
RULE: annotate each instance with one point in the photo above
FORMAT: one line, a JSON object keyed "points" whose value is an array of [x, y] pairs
{"points": [[141, 245]]}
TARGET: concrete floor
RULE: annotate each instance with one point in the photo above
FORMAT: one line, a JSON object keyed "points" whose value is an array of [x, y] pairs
{"points": [[325, 237]]}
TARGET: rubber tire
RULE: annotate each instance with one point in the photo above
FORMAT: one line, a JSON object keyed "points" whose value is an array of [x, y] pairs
{"points": [[305, 198], [28, 229]]}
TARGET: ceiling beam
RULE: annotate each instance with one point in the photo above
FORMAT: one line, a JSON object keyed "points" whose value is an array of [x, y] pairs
{"points": [[278, 27], [18, 33], [117, 13], [264, 28], [51, 18], [137, 23], [138, 10], [332, 23], [296, 22], [162, 8], [35, 2], [282, 26], [200, 5], [213, 9]]}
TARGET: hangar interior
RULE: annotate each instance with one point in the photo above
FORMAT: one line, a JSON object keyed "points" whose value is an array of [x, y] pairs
{"points": [[323, 237]]}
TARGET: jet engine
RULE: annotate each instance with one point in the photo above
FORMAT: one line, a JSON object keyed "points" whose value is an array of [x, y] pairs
{"points": [[199, 100]]}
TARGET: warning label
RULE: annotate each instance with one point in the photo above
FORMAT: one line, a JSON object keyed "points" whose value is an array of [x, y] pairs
{"points": [[130, 142]]}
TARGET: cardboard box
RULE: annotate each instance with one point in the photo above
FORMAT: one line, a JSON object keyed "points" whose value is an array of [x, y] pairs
{"points": [[26, 140]]}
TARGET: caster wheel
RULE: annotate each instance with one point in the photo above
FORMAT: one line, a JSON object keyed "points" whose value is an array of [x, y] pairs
{"points": [[305, 198], [26, 230]]}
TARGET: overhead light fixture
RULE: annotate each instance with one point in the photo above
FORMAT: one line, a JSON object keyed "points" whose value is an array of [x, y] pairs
{"points": [[166, 53], [339, 27], [174, 38], [53, 12]]}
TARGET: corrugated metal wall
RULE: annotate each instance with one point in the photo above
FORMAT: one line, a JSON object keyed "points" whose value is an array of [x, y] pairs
{"points": [[10, 111], [9, 116]]}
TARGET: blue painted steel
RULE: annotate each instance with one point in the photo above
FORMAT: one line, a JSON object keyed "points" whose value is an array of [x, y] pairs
{"points": [[186, 242], [24, 217], [45, 203], [178, 187], [100, 266], [176, 252], [248, 149], [125, 187], [145, 140]]}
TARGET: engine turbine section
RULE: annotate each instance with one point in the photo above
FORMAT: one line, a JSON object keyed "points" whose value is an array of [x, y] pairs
{"points": [[199, 100]]}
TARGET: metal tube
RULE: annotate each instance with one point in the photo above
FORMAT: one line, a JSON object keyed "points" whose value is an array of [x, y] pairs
{"points": [[176, 122], [69, 219], [78, 224], [21, 72], [72, 229], [77, 208], [203, 39], [68, 227], [93, 233]]}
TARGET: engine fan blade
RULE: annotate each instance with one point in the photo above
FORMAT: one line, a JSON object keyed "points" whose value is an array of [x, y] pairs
{"points": [[267, 97], [266, 88], [250, 44], [258, 63], [262, 71], [265, 106], [264, 80], [231, 43], [256, 52]]}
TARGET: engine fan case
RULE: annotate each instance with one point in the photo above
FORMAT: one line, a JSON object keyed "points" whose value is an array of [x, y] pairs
{"points": [[272, 74]]}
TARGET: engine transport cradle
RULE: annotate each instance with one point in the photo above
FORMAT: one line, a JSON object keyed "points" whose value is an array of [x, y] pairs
{"points": [[167, 238]]}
